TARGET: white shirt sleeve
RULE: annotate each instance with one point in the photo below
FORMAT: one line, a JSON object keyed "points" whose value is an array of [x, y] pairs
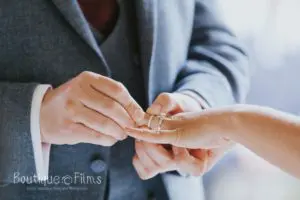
{"points": [[41, 150]]}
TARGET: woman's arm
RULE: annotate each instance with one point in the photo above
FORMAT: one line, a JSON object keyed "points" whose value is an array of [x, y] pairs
{"points": [[272, 134]]}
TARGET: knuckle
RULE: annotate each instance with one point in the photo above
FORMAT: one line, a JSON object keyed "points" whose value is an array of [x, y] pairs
{"points": [[146, 174], [85, 74], [71, 87], [71, 107], [130, 106], [67, 125], [119, 88], [165, 97], [111, 105], [84, 95], [105, 123], [93, 122], [110, 142]]}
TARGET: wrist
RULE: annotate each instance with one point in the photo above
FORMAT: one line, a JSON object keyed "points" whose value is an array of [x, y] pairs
{"points": [[235, 125]]}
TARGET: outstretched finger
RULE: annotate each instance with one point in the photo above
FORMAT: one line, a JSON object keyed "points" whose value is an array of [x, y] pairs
{"points": [[155, 136], [160, 121]]}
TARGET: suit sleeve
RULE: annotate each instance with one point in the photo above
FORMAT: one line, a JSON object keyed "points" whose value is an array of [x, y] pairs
{"points": [[16, 148], [216, 69]]}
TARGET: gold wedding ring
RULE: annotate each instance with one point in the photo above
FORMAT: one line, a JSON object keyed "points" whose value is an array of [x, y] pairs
{"points": [[150, 121], [160, 118]]}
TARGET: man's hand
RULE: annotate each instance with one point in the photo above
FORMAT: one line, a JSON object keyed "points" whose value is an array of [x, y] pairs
{"points": [[200, 160], [90, 108], [152, 159], [203, 137]]}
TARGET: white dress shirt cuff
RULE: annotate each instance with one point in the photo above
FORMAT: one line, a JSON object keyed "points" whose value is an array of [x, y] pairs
{"points": [[41, 150]]}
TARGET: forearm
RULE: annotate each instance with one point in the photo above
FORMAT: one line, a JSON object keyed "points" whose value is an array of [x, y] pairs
{"points": [[271, 134], [16, 151], [21, 150]]}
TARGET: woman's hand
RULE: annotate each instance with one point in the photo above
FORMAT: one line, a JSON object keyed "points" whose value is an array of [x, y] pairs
{"points": [[201, 134], [205, 129], [271, 134]]}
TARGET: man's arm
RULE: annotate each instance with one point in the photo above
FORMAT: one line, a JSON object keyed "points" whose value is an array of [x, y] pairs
{"points": [[16, 150], [73, 113], [217, 68]]}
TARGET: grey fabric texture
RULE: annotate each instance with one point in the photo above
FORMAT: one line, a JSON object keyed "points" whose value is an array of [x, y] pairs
{"points": [[126, 68], [182, 45]]}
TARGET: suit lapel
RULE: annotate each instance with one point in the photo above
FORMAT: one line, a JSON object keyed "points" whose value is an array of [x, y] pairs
{"points": [[147, 29], [74, 16], [146, 24]]}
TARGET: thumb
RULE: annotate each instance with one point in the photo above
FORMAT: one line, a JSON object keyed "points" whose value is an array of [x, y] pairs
{"points": [[164, 103]]}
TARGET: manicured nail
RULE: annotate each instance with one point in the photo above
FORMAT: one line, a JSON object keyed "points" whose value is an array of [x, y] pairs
{"points": [[154, 109]]}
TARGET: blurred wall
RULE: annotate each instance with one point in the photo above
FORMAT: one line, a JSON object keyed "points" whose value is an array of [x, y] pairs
{"points": [[270, 31]]}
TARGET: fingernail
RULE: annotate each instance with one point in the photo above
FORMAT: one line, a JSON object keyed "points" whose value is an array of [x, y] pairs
{"points": [[154, 109]]}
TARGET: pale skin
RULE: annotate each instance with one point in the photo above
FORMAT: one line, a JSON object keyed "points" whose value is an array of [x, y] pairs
{"points": [[271, 134], [152, 159], [95, 109], [90, 108]]}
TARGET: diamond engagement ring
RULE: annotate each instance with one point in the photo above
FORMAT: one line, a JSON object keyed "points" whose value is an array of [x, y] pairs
{"points": [[161, 119], [150, 121]]}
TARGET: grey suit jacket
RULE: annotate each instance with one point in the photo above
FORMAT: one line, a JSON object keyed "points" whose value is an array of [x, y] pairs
{"points": [[183, 45]]}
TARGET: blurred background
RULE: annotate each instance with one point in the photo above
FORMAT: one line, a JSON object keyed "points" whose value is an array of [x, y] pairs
{"points": [[271, 32]]}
